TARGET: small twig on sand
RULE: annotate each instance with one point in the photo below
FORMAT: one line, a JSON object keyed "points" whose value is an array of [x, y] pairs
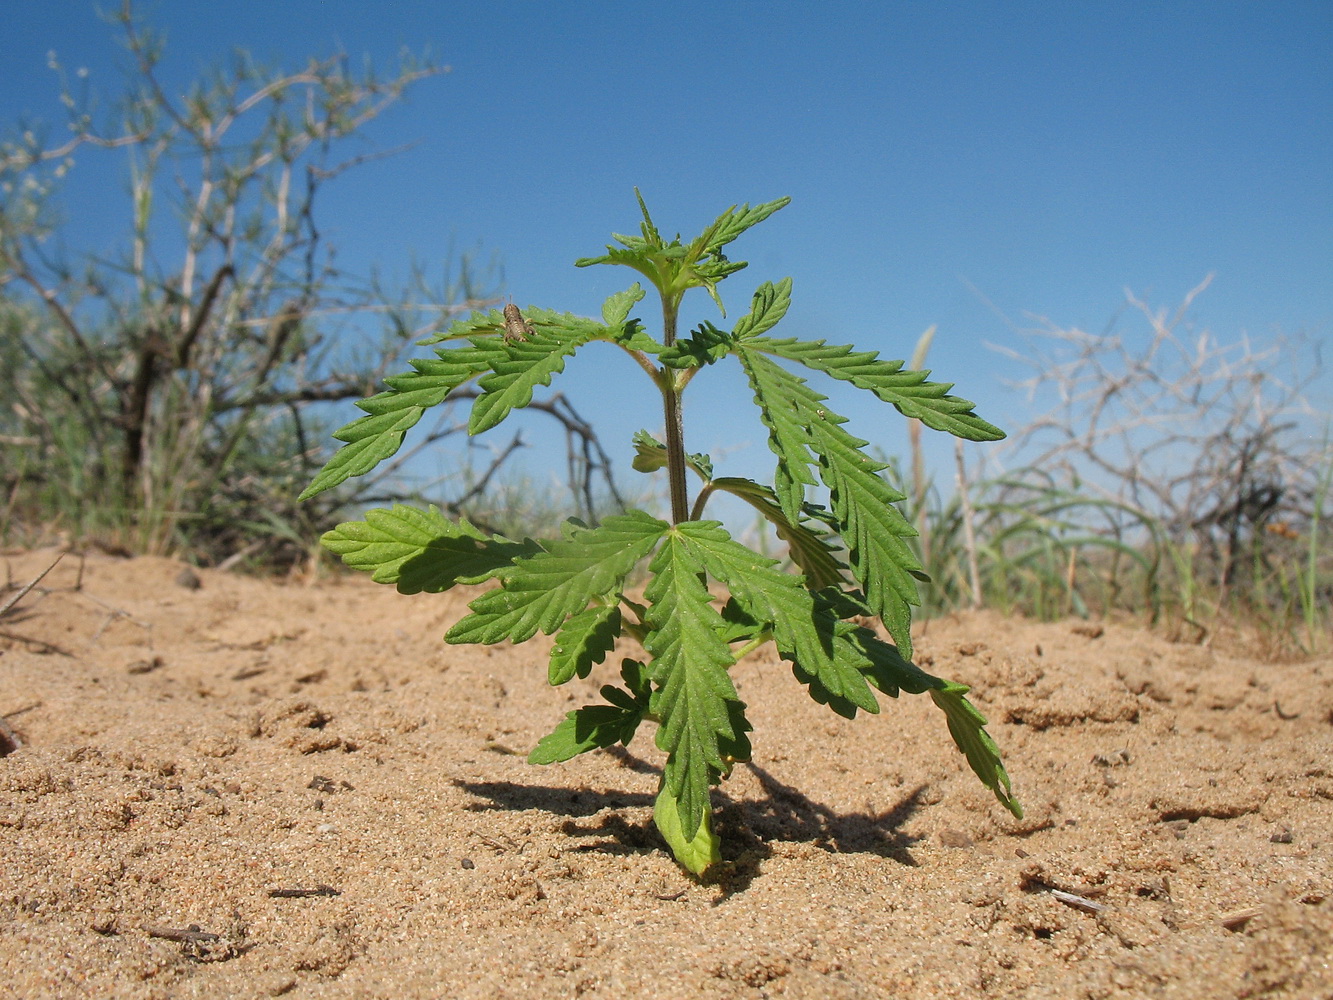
{"points": [[186, 935], [23, 591], [1079, 902], [1239, 918], [319, 890]]}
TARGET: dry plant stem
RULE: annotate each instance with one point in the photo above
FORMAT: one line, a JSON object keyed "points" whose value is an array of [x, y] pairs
{"points": [[23, 591], [969, 526]]}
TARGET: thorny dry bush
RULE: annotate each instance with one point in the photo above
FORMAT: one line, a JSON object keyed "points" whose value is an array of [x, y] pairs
{"points": [[163, 391], [1215, 449]]}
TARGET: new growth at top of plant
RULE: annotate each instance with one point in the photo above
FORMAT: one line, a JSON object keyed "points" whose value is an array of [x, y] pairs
{"points": [[851, 558]]}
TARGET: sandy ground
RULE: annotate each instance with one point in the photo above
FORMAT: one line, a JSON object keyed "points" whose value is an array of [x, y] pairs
{"points": [[252, 789]]}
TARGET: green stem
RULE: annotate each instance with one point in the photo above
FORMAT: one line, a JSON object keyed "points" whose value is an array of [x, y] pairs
{"points": [[700, 500], [751, 646], [675, 427]]}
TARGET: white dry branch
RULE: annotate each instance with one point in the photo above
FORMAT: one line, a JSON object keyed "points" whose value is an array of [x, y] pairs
{"points": [[1213, 442]]}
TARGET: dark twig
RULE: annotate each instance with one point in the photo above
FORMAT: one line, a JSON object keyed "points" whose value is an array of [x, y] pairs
{"points": [[319, 890]]}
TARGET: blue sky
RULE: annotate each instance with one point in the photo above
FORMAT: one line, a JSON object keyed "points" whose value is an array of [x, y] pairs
{"points": [[958, 164]]}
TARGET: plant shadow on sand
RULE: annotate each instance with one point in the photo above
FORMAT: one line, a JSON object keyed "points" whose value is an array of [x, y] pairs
{"points": [[748, 827]]}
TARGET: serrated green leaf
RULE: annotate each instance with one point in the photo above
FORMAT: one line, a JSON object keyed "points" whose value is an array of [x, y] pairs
{"points": [[616, 309], [873, 529], [635, 675], [526, 364], [585, 729], [708, 345], [862, 502], [884, 666], [584, 640], [623, 699], [651, 455], [422, 551], [477, 324], [967, 727], [909, 391], [391, 414], [543, 590], [731, 223], [769, 305], [632, 337], [802, 630], [807, 549], [776, 393], [703, 726]]}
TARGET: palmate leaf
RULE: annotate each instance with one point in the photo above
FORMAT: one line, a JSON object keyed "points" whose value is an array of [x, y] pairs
{"points": [[542, 590], [674, 267], [702, 722], [525, 364], [802, 631], [422, 550], [391, 414], [907, 390]]}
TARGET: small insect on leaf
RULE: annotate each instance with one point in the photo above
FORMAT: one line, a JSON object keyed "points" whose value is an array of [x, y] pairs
{"points": [[516, 327]]}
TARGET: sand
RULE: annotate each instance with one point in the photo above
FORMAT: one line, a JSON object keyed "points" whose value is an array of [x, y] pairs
{"points": [[231, 787]]}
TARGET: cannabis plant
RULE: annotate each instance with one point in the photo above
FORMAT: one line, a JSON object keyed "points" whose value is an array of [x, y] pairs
{"points": [[850, 559]]}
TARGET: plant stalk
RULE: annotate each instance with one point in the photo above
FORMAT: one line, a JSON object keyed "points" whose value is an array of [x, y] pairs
{"points": [[675, 426]]}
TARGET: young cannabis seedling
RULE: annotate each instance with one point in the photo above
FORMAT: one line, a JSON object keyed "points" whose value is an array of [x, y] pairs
{"points": [[851, 560]]}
